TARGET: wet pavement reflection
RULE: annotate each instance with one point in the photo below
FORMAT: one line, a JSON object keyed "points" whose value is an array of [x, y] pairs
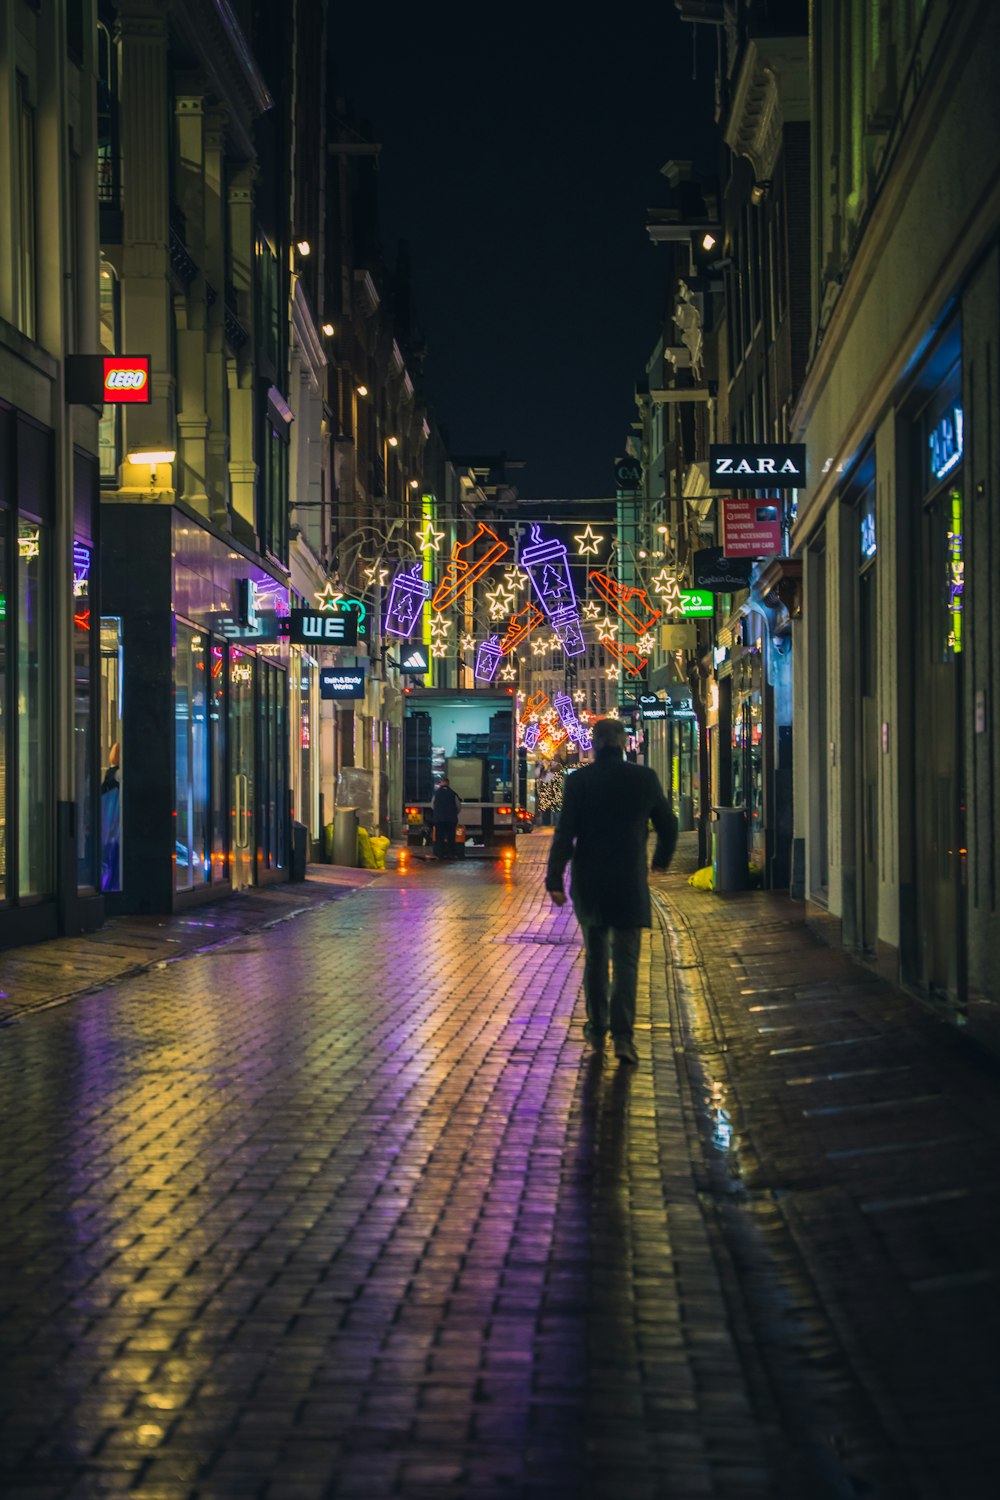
{"points": [[344, 1208]]}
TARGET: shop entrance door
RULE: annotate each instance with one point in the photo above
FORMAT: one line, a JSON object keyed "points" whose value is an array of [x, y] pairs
{"points": [[241, 766], [272, 762], [867, 804], [939, 751]]}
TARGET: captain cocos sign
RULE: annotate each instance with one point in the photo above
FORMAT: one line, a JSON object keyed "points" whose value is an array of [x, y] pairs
{"points": [[770, 466]]}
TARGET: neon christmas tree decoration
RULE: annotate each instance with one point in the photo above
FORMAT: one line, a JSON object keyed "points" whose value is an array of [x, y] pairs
{"points": [[531, 736], [464, 568], [488, 658], [630, 604], [570, 633], [405, 606]]}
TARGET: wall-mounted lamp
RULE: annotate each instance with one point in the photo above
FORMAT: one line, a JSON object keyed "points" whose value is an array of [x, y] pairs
{"points": [[362, 390], [393, 442], [303, 247], [708, 240], [329, 330], [414, 484], [152, 456]]}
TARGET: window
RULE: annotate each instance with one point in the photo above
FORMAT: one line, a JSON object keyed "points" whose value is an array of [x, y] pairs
{"points": [[191, 848], [33, 716], [110, 425], [27, 226], [112, 662], [83, 722]]}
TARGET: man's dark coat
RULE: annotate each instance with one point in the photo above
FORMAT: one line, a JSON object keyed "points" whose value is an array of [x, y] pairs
{"points": [[445, 805], [603, 828]]}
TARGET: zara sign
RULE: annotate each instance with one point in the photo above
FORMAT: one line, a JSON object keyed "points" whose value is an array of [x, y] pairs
{"points": [[757, 466]]}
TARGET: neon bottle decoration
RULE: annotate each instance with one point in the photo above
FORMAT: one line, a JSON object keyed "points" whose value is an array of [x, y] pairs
{"points": [[488, 658], [407, 597], [532, 735], [570, 633], [547, 565]]}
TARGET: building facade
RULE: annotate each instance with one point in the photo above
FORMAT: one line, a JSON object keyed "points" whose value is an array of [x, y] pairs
{"points": [[50, 806]]}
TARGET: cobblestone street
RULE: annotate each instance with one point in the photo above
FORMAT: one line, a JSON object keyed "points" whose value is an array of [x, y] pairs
{"points": [[341, 1207]]}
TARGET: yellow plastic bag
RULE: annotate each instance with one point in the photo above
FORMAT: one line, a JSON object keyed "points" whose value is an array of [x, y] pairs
{"points": [[379, 844], [703, 880], [366, 854]]}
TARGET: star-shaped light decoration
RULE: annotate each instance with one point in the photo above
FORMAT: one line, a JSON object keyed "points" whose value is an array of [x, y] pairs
{"points": [[468, 641], [611, 673], [612, 713], [440, 627], [607, 626], [591, 610], [375, 576], [439, 648], [508, 671], [514, 579], [540, 646], [588, 541], [500, 602], [429, 539], [646, 643], [668, 586], [329, 597], [579, 696]]}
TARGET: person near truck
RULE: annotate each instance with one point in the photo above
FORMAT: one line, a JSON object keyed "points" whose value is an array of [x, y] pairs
{"points": [[444, 816], [603, 827]]}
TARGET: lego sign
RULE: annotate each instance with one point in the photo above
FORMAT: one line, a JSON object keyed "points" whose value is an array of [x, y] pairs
{"points": [[126, 379], [751, 528], [107, 379]]}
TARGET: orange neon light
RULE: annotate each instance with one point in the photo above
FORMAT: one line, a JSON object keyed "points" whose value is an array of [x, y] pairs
{"points": [[526, 619], [629, 657], [461, 574], [620, 596]]}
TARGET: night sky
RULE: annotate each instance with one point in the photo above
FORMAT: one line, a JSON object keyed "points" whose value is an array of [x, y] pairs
{"points": [[518, 161]]}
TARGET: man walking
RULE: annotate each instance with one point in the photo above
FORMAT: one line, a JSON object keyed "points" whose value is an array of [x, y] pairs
{"points": [[603, 828], [444, 816]]}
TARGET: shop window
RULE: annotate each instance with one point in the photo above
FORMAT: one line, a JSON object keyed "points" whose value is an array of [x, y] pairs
{"points": [[108, 157], [33, 718], [217, 753], [4, 521], [112, 669], [27, 222], [110, 424], [191, 764], [83, 720]]}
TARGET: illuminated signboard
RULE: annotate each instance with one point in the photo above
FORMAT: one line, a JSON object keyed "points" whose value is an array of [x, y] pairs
{"points": [[696, 602], [126, 378], [946, 442], [414, 659], [342, 682], [757, 466], [751, 528], [319, 627]]}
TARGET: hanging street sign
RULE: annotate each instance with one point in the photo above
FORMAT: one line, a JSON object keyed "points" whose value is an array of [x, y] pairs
{"points": [[757, 466], [718, 574], [697, 602], [107, 379], [751, 528], [319, 627], [342, 682], [414, 658]]}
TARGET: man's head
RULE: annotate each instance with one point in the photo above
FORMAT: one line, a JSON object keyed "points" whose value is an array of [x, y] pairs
{"points": [[609, 734], [444, 781]]}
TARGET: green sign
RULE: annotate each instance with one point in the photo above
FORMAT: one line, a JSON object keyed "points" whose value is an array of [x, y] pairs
{"points": [[697, 602]]}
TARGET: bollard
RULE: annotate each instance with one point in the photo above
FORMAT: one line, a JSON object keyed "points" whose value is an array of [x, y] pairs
{"points": [[345, 836], [729, 849]]}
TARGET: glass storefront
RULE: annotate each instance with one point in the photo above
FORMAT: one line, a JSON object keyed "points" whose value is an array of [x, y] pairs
{"points": [[191, 761], [241, 753], [112, 790], [304, 718], [34, 730]]}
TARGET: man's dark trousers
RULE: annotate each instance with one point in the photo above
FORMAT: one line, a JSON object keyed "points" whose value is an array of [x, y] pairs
{"points": [[624, 944], [444, 834]]}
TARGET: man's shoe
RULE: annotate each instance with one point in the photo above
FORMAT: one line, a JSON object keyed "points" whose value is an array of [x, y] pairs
{"points": [[625, 1052], [595, 1038]]}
